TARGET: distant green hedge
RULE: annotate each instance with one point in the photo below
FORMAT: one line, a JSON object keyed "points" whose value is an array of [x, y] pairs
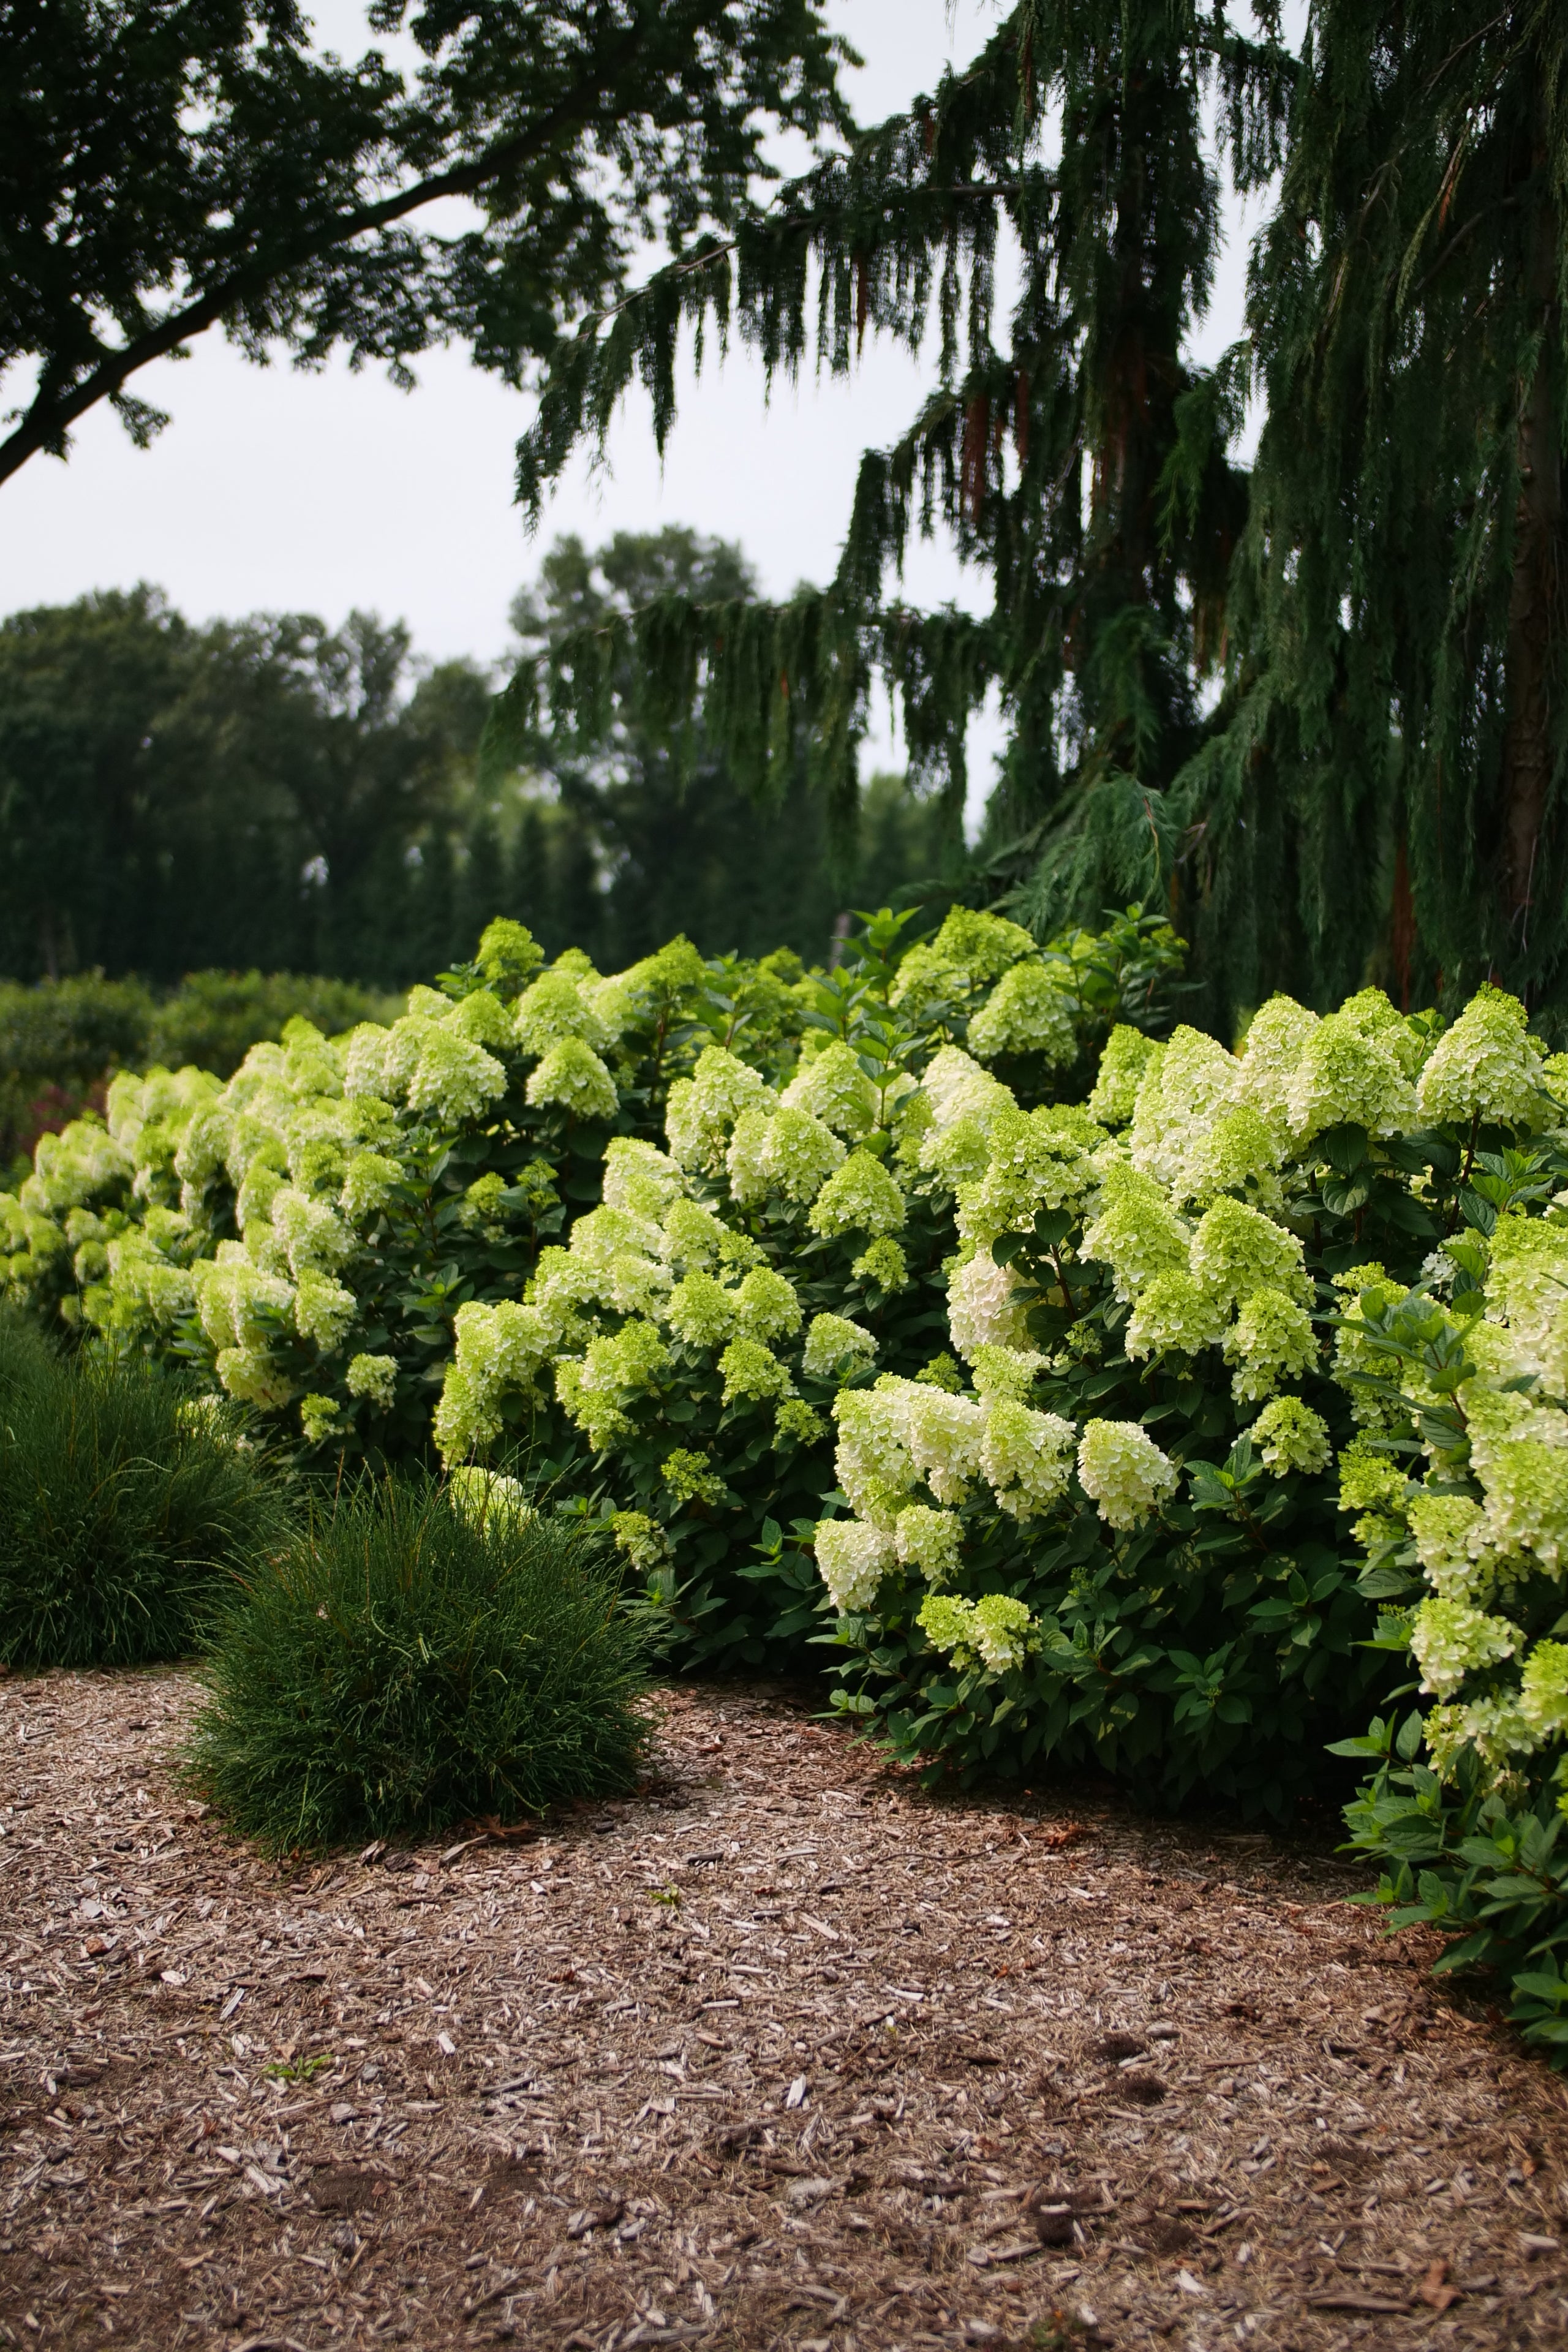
{"points": [[62, 1038]]}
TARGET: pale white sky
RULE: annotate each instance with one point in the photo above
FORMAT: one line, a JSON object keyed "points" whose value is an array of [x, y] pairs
{"points": [[276, 491]]}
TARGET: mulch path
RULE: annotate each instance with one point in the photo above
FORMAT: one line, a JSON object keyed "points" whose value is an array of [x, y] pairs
{"points": [[782, 2051]]}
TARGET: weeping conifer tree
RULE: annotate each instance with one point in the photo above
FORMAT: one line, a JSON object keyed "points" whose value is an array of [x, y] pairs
{"points": [[1382, 778], [1396, 728], [1069, 448]]}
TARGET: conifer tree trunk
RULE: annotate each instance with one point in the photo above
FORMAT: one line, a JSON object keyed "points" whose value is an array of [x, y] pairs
{"points": [[1536, 615]]}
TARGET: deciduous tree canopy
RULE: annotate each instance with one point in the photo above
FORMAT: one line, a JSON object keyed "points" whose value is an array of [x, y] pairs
{"points": [[274, 792], [170, 165]]}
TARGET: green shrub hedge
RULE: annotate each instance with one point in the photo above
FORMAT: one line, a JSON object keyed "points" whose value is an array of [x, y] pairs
{"points": [[421, 1654]]}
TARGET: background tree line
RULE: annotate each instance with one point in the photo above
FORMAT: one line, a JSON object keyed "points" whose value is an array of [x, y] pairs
{"points": [[274, 793], [1316, 706]]}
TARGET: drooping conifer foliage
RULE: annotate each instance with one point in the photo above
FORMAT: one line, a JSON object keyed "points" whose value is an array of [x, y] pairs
{"points": [[1069, 447], [1401, 707], [1379, 780]]}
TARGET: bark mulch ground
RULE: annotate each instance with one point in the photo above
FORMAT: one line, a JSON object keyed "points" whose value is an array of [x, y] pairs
{"points": [[782, 2051]]}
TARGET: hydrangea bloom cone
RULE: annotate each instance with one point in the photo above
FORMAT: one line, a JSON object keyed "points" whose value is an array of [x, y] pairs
{"points": [[1121, 1469]]}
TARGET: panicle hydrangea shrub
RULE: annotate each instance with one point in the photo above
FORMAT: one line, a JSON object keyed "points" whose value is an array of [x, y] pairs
{"points": [[1460, 1488], [699, 1239]]}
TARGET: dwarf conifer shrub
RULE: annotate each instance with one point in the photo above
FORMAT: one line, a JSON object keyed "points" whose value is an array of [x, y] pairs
{"points": [[124, 1505], [415, 1659]]}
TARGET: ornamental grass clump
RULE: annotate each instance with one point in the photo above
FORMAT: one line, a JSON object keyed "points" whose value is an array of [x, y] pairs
{"points": [[125, 1505], [414, 1661]]}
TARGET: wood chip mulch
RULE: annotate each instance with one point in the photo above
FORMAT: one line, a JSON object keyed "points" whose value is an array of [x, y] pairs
{"points": [[780, 2051]]}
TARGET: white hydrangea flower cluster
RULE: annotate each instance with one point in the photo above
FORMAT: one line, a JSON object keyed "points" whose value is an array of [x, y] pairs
{"points": [[1491, 1520], [1008, 1373], [616, 1368], [929, 1541], [651, 1255], [1135, 1232], [427, 1060], [573, 1078], [1486, 1067], [1174, 1314], [309, 1164], [1289, 1436], [1123, 1064], [1121, 1469], [1026, 1457], [1237, 1278], [1527, 1290], [898, 1435], [1350, 1073], [1450, 1640], [955, 1086], [639, 1180], [860, 1197], [241, 1310], [487, 1496], [944, 1434], [874, 1465], [853, 1558], [1185, 1084], [751, 1371], [376, 1378], [833, 1341], [500, 1351], [981, 1311]]}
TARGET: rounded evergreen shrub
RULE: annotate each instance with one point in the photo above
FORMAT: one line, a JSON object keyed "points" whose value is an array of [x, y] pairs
{"points": [[415, 1659], [124, 1505]]}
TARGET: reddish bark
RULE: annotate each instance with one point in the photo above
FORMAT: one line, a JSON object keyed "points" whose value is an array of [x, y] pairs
{"points": [[1535, 604]]}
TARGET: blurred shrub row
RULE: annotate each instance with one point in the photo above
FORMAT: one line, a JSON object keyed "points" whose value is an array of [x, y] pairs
{"points": [[61, 1041]]}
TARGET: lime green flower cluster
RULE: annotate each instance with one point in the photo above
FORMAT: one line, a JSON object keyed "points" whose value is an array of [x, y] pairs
{"points": [[690, 1479], [832, 1341], [486, 1494], [1488, 1067], [860, 1197], [640, 1539], [667, 1263], [1289, 1436], [1480, 1391], [753, 1371], [1114, 1094], [831, 1087], [898, 1435], [252, 1219], [994, 1631], [1026, 1013], [703, 1109], [781, 1148], [929, 1541], [969, 953], [1034, 1159]]}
